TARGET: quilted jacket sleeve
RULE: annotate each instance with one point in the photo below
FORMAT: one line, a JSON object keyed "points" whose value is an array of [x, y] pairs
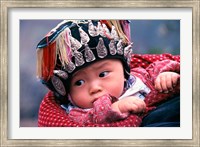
{"points": [[100, 113], [158, 67]]}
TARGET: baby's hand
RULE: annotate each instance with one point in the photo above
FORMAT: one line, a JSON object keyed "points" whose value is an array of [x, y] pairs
{"points": [[129, 104], [166, 81]]}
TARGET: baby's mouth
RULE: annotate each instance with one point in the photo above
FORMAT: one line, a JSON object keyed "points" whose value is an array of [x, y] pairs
{"points": [[101, 97], [94, 100]]}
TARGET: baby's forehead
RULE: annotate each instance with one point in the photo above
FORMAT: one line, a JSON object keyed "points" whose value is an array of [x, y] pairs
{"points": [[97, 65]]}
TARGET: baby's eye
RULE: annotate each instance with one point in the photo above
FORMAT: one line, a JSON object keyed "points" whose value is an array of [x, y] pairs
{"points": [[103, 74], [79, 82]]}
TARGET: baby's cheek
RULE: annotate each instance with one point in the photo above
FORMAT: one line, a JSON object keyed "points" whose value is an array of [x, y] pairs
{"points": [[75, 96], [117, 91]]}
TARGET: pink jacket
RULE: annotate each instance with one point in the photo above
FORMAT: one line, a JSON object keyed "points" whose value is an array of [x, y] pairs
{"points": [[102, 112]]}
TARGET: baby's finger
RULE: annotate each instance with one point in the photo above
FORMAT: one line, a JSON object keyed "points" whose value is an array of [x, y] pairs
{"points": [[163, 82], [175, 79], [138, 106], [169, 82], [134, 108], [158, 84]]}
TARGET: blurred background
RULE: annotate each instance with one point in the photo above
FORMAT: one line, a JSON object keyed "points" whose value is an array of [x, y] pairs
{"points": [[148, 36]]}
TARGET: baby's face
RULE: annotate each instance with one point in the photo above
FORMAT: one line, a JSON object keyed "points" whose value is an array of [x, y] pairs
{"points": [[100, 78]]}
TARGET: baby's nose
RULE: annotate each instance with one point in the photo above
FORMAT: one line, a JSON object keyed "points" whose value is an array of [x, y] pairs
{"points": [[95, 88]]}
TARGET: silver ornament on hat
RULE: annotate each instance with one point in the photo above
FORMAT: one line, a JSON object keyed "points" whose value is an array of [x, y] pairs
{"points": [[89, 56], [112, 47], [106, 31], [58, 85], [92, 30], [78, 58], [120, 47], [84, 36], [70, 66], [128, 50], [114, 34], [61, 74], [100, 29], [75, 44], [101, 48]]}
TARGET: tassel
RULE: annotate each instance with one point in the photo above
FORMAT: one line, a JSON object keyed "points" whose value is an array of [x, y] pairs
{"points": [[52, 58], [39, 62], [60, 50], [45, 65], [62, 47], [107, 23], [126, 28], [49, 57], [120, 31], [68, 44]]}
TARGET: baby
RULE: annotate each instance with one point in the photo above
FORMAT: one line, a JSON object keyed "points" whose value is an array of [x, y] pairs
{"points": [[90, 86], [88, 63]]}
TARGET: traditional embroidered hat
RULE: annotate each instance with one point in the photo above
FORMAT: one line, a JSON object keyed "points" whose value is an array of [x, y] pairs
{"points": [[75, 44]]}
